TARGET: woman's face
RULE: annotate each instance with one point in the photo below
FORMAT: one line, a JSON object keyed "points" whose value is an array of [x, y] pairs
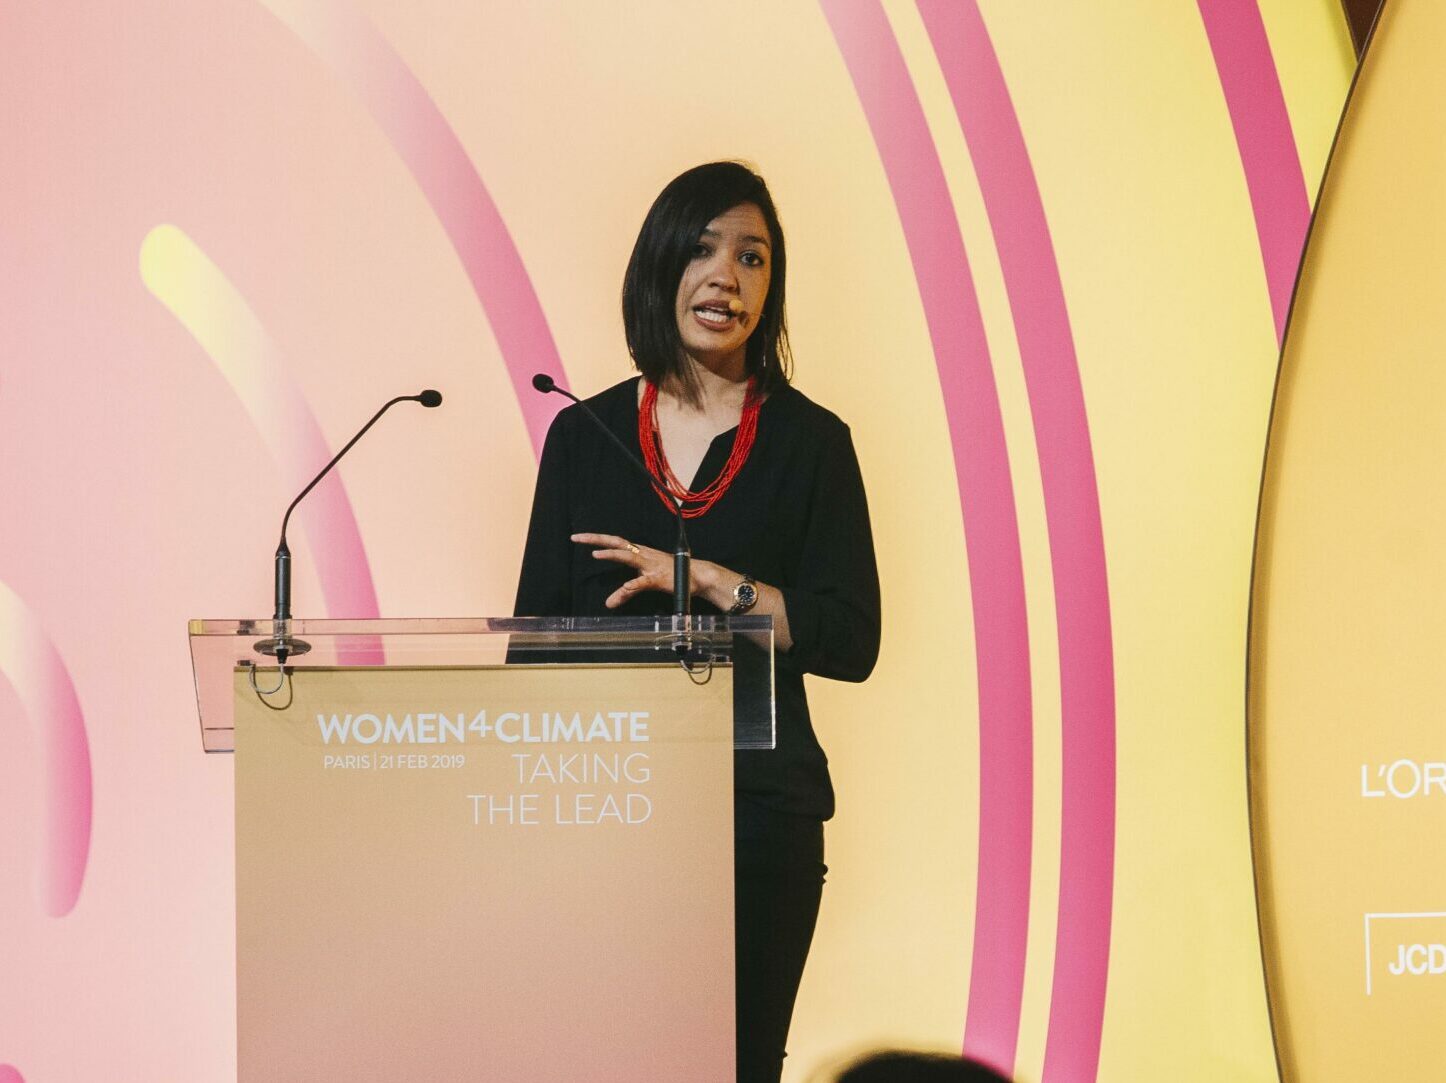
{"points": [[721, 294]]}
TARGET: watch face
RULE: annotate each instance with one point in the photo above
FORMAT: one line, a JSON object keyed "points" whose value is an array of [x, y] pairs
{"points": [[744, 595]]}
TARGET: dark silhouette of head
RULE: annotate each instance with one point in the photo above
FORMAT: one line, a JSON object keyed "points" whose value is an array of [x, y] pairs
{"points": [[902, 1067]]}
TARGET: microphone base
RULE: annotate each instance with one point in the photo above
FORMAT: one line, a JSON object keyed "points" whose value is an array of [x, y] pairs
{"points": [[284, 646], [690, 647]]}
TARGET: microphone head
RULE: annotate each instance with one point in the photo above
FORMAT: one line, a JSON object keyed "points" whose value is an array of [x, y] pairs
{"points": [[544, 383], [430, 398]]}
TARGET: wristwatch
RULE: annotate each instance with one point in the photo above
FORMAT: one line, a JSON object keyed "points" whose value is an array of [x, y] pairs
{"points": [[745, 596]]}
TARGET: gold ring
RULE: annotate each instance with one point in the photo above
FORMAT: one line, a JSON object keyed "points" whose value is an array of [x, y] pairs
{"points": [[633, 548]]}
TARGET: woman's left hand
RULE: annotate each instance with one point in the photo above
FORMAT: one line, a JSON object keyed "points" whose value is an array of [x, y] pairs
{"points": [[709, 581], [654, 567]]}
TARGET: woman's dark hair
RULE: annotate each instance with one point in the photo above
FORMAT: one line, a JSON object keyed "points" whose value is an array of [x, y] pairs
{"points": [[665, 244]]}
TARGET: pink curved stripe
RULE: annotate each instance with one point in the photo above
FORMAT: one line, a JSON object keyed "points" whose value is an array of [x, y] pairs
{"points": [[1076, 537], [1266, 140], [340, 34], [34, 668], [991, 534], [9, 1074]]}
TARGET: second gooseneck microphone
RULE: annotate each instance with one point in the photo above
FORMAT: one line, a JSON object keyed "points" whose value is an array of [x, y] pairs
{"points": [[282, 645], [682, 555]]}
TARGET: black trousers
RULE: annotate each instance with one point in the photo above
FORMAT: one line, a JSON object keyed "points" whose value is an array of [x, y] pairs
{"points": [[778, 881]]}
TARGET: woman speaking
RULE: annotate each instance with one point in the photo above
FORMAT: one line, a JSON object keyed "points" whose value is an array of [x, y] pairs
{"points": [[778, 525]]}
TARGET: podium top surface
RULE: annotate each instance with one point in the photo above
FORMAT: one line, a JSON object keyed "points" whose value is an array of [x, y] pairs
{"points": [[222, 648], [630, 629]]}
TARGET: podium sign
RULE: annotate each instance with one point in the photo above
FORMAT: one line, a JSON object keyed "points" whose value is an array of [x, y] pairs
{"points": [[493, 872]]}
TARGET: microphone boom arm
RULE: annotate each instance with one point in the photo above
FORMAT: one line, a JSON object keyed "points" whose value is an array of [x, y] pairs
{"points": [[282, 645], [682, 555]]}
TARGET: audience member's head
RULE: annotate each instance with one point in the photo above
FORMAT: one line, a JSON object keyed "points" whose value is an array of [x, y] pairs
{"points": [[902, 1067]]}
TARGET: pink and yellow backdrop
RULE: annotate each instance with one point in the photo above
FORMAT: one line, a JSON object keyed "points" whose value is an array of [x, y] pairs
{"points": [[1042, 255]]}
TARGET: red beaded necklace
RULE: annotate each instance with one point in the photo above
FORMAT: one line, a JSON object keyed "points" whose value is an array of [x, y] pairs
{"points": [[665, 482]]}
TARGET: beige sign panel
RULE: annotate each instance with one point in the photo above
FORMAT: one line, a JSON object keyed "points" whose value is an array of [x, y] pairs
{"points": [[1348, 749], [498, 873]]}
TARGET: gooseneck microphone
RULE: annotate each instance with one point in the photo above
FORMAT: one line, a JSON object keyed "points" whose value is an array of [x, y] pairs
{"points": [[282, 645], [682, 555]]}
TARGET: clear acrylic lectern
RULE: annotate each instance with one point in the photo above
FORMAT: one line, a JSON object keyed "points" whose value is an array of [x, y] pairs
{"points": [[485, 848]]}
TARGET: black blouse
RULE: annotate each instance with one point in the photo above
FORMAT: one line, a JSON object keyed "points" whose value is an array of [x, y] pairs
{"points": [[795, 518]]}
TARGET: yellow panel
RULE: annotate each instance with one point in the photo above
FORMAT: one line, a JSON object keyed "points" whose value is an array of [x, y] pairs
{"points": [[1348, 634]]}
